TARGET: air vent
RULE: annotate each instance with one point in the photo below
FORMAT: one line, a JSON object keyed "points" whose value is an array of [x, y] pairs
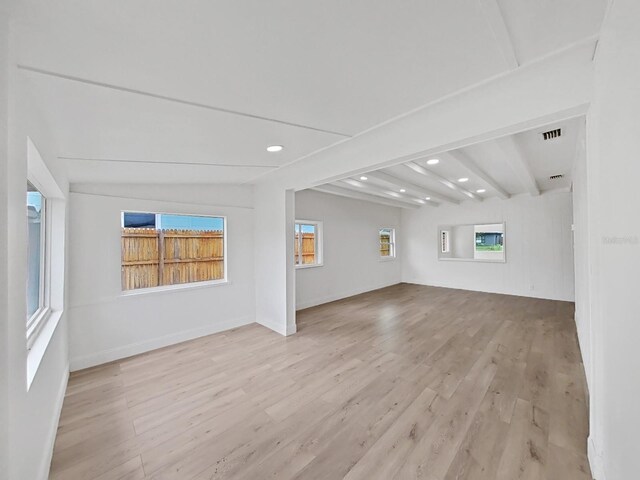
{"points": [[551, 134], [556, 177]]}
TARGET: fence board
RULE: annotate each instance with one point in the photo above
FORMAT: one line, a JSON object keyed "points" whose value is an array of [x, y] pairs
{"points": [[385, 245], [152, 258], [308, 248]]}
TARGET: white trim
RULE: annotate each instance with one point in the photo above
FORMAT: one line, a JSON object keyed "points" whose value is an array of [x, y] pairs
{"points": [[35, 324], [595, 460], [172, 288], [274, 326], [117, 353], [47, 328], [393, 254], [45, 466], [450, 286], [495, 19], [40, 328], [308, 265], [180, 286], [319, 260], [339, 296], [474, 260]]}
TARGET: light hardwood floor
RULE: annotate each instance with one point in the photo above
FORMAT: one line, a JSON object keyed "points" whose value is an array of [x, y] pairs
{"points": [[401, 383]]}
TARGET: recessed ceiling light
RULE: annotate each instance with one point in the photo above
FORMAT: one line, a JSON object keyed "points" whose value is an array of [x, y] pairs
{"points": [[274, 148], [402, 190], [463, 179], [363, 178], [433, 161], [427, 198], [480, 190]]}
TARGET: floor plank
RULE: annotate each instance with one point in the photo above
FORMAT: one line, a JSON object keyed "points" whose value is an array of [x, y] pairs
{"points": [[403, 382]]}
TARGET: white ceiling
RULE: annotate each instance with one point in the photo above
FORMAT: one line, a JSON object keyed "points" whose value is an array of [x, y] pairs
{"points": [[503, 167], [214, 82]]}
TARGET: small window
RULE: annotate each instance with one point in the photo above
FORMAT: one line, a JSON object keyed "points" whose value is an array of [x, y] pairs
{"points": [[36, 251], [308, 243], [161, 249], [387, 243]]}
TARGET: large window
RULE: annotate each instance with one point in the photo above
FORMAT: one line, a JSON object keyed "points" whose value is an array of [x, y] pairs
{"points": [[387, 243], [44, 262], [308, 243], [161, 249], [36, 251]]}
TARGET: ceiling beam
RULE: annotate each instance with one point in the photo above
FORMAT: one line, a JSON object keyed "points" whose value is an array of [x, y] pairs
{"points": [[554, 88], [428, 173], [411, 188], [344, 192], [495, 19], [467, 162], [384, 192], [516, 158], [158, 96]]}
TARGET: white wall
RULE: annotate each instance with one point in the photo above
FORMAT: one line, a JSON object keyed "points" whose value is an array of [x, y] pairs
{"points": [[351, 249], [104, 323], [274, 274], [4, 330], [538, 247], [581, 246], [34, 411], [613, 167]]}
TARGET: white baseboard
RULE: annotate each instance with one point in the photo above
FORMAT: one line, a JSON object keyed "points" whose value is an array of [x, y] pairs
{"points": [[53, 428], [339, 296], [499, 292], [105, 356], [276, 327], [595, 460]]}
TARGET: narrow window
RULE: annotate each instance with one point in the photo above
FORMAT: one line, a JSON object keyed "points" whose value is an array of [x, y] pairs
{"points": [[160, 249], [307, 245], [36, 251], [387, 242]]}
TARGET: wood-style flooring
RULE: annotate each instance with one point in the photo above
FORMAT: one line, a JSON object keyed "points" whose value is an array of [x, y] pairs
{"points": [[401, 383]]}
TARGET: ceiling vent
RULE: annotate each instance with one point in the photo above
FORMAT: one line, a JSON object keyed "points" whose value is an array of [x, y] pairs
{"points": [[551, 134], [556, 177]]}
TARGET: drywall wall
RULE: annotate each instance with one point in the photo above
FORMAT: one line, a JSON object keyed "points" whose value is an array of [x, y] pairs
{"points": [[4, 277], [274, 274], [34, 410], [613, 149], [538, 247], [351, 249], [581, 246], [106, 324]]}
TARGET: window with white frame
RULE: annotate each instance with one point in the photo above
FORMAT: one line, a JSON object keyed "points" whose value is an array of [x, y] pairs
{"points": [[387, 238], [160, 249], [308, 243], [37, 284], [44, 261]]}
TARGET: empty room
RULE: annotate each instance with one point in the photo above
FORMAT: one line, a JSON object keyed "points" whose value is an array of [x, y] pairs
{"points": [[362, 240]]}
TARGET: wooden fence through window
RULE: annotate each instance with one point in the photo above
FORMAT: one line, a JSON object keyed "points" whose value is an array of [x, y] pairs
{"points": [[385, 244], [151, 258], [308, 248]]}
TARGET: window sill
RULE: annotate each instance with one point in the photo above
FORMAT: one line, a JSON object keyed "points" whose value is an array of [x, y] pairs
{"points": [[479, 260], [309, 265], [173, 288], [40, 344]]}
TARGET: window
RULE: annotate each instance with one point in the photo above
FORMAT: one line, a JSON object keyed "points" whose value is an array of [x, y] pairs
{"points": [[308, 243], [36, 250], [160, 249], [387, 243], [44, 238]]}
